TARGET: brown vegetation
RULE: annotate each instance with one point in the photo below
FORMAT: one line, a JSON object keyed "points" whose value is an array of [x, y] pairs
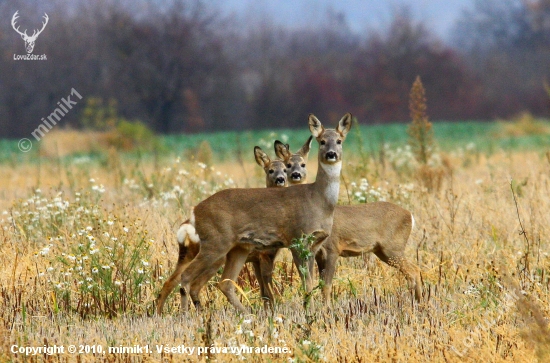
{"points": [[486, 289]]}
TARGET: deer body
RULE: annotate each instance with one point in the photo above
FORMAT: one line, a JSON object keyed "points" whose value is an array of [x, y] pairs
{"points": [[233, 222], [276, 176], [381, 228], [262, 261]]}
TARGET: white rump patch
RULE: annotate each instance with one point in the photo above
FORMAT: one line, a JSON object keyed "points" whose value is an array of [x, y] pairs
{"points": [[187, 231]]}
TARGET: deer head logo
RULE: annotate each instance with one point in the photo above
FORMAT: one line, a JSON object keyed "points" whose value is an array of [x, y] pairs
{"points": [[29, 40]]}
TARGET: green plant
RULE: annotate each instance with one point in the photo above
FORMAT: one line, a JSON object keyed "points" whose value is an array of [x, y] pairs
{"points": [[91, 261], [302, 247]]}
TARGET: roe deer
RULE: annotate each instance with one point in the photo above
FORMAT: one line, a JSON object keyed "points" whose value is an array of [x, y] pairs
{"points": [[276, 176], [233, 222], [263, 262], [382, 228]]}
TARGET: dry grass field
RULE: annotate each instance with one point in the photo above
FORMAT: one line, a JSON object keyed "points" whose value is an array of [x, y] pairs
{"points": [[85, 247]]}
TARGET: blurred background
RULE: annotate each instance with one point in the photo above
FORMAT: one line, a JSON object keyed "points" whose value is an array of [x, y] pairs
{"points": [[196, 66]]}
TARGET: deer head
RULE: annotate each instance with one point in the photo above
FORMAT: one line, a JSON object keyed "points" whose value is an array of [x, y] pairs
{"points": [[29, 40], [295, 163], [275, 170]]}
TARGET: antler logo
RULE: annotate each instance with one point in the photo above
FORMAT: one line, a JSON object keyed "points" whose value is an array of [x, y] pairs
{"points": [[29, 40]]}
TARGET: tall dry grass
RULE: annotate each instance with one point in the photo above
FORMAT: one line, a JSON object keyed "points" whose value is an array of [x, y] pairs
{"points": [[85, 246]]}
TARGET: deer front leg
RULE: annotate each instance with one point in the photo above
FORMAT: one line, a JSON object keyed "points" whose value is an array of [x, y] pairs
{"points": [[328, 275], [319, 237], [302, 266]]}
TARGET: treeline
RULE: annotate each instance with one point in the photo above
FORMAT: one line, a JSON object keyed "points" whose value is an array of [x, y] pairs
{"points": [[182, 66]]}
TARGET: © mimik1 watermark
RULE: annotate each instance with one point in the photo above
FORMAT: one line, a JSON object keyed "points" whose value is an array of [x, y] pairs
{"points": [[29, 40], [65, 105]]}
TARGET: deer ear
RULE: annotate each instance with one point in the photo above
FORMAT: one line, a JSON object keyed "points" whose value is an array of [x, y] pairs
{"points": [[261, 157], [344, 125], [281, 150], [304, 151], [315, 126]]}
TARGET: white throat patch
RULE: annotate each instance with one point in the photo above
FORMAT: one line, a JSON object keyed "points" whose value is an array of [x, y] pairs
{"points": [[333, 188], [332, 170]]}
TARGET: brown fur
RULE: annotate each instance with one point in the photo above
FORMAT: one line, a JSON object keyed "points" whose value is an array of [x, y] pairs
{"points": [[234, 222], [381, 228]]}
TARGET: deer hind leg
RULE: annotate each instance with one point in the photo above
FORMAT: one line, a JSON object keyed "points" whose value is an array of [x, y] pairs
{"points": [[235, 261], [321, 260], [410, 270], [187, 252], [198, 284], [328, 274], [267, 265], [256, 264], [201, 269]]}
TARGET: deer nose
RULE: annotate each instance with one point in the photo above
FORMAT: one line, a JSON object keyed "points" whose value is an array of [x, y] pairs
{"points": [[296, 175], [331, 155], [280, 180]]}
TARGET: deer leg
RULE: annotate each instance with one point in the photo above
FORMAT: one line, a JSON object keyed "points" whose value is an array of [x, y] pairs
{"points": [[319, 237], [193, 288], [302, 267], [186, 255], [198, 284], [328, 275], [410, 270], [267, 265], [256, 264], [201, 268], [235, 261], [321, 260], [168, 287]]}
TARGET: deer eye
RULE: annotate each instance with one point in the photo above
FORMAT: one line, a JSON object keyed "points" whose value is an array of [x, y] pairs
{"points": [[288, 165], [303, 165], [323, 142], [339, 142], [284, 171], [271, 171]]}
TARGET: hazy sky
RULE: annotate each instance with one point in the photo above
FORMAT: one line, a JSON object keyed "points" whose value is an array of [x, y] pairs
{"points": [[438, 15]]}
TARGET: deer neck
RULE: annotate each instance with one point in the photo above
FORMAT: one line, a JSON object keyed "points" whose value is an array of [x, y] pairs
{"points": [[327, 182]]}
